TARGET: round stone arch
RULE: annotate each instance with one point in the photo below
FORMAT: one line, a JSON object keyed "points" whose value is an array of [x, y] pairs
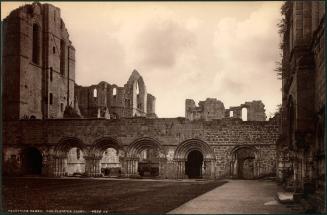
{"points": [[100, 145], [245, 162], [134, 151], [104, 164], [66, 143], [140, 144], [60, 166], [236, 148], [185, 148]]}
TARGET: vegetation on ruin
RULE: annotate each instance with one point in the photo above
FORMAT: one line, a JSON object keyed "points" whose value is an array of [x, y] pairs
{"points": [[283, 25]]}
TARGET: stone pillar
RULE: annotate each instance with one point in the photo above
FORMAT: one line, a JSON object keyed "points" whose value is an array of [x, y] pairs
{"points": [[183, 173], [179, 170], [180, 167], [209, 169], [92, 166], [206, 169], [131, 167], [254, 168], [58, 166], [235, 168], [162, 169], [45, 165]]}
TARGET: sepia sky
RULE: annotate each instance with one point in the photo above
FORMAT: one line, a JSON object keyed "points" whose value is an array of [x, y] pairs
{"points": [[223, 50]]}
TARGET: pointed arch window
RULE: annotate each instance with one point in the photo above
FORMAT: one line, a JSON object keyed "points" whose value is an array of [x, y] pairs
{"points": [[36, 44], [137, 88], [62, 56]]}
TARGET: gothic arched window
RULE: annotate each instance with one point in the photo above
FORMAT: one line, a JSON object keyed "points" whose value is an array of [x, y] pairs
{"points": [[36, 44]]}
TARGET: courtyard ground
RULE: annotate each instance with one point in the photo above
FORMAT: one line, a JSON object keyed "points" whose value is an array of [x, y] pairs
{"points": [[239, 196], [101, 195]]}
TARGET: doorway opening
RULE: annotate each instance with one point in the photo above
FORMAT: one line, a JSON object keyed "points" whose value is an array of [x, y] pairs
{"points": [[148, 165], [193, 165], [32, 161]]}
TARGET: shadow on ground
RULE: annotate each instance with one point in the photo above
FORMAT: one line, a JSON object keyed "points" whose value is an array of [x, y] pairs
{"points": [[115, 196]]}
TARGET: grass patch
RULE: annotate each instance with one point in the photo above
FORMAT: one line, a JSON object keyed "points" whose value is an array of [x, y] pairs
{"points": [[114, 196]]}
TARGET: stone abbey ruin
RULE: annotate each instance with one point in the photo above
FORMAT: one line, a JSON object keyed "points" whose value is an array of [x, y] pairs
{"points": [[54, 127]]}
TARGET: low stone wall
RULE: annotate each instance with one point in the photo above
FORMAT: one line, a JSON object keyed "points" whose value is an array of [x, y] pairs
{"points": [[173, 139]]}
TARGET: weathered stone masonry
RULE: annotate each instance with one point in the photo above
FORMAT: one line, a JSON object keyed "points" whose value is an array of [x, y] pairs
{"points": [[111, 101], [90, 130], [38, 63], [212, 108], [301, 147], [217, 140]]}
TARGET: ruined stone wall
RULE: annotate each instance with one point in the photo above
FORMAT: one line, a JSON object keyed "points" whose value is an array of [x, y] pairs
{"points": [[38, 63], [82, 96], [207, 110], [320, 101], [217, 140], [192, 112], [151, 106], [136, 93], [214, 109], [104, 99], [255, 111], [319, 57], [302, 141]]}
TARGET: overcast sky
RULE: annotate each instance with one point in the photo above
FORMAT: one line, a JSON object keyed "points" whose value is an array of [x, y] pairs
{"points": [[223, 50]]}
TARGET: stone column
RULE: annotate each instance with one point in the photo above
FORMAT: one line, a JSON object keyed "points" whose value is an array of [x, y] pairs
{"points": [[254, 168], [58, 166], [180, 164], [97, 166], [162, 164], [235, 168], [131, 167], [183, 173], [213, 169], [92, 166], [45, 165], [135, 167], [210, 169], [179, 169]]}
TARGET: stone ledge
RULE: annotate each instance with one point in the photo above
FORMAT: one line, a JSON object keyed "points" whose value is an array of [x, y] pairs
{"points": [[285, 197]]}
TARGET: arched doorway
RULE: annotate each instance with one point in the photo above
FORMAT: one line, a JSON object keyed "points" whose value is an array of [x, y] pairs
{"points": [[108, 152], [32, 161], [148, 164], [193, 164], [194, 158], [75, 165], [109, 163], [243, 163], [145, 158], [69, 157]]}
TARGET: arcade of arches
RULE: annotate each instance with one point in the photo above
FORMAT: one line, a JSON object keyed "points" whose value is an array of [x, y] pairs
{"points": [[173, 148]]}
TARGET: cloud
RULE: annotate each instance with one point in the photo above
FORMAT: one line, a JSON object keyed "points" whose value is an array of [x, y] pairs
{"points": [[247, 51], [163, 42]]}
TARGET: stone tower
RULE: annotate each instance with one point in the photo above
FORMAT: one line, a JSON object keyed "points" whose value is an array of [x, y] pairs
{"points": [[38, 63]]}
